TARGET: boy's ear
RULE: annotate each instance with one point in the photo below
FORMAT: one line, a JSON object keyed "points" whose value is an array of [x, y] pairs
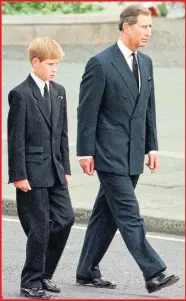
{"points": [[35, 62]]}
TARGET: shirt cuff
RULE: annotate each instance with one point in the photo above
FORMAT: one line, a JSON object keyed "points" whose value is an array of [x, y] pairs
{"points": [[85, 157], [153, 152]]}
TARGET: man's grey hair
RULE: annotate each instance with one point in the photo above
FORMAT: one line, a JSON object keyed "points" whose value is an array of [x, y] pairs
{"points": [[131, 12]]}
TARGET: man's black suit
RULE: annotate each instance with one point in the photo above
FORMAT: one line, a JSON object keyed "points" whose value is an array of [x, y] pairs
{"points": [[38, 151], [117, 126]]}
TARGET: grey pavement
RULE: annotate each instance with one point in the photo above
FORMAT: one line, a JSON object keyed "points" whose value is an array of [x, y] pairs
{"points": [[161, 195], [117, 265]]}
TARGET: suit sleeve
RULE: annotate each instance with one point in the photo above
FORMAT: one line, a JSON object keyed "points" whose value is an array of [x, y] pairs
{"points": [[151, 129], [16, 137], [64, 140], [90, 97]]}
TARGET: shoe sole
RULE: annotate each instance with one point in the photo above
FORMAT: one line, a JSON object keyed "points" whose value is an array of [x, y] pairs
{"points": [[86, 283], [28, 296], [167, 284]]}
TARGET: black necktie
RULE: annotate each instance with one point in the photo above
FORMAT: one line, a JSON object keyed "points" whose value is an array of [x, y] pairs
{"points": [[47, 99], [135, 69]]}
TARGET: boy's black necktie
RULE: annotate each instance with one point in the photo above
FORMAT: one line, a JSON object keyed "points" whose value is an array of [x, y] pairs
{"points": [[47, 100], [135, 69]]}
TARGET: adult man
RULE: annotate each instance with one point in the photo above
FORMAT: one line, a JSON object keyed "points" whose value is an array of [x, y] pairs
{"points": [[39, 167], [116, 128]]}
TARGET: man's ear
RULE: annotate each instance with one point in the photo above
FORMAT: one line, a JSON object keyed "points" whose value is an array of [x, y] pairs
{"points": [[125, 27]]}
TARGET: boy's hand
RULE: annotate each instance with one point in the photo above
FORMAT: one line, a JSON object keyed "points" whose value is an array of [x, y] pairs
{"points": [[153, 162], [68, 179], [23, 185]]}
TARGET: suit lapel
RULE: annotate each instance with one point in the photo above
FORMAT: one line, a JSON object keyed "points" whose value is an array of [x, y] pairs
{"points": [[40, 100], [56, 103], [122, 67]]}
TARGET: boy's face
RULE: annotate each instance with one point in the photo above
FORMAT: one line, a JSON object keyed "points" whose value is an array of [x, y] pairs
{"points": [[45, 70]]}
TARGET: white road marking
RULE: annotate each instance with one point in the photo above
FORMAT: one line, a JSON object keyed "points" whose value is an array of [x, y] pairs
{"points": [[6, 219]]}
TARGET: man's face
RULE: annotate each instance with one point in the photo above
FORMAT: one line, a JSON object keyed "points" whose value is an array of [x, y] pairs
{"points": [[140, 32], [45, 70]]}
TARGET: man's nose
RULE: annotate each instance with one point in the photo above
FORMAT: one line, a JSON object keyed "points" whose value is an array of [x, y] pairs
{"points": [[149, 31]]}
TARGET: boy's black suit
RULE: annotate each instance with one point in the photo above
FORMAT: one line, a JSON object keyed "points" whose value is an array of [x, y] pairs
{"points": [[38, 151]]}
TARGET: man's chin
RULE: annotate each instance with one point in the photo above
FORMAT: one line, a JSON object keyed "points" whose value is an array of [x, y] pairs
{"points": [[51, 78], [143, 44]]}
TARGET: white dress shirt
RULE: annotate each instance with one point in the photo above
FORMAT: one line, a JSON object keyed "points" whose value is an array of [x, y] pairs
{"points": [[40, 83], [127, 53]]}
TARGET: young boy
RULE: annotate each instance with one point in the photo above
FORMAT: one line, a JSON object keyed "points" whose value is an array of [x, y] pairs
{"points": [[39, 167]]}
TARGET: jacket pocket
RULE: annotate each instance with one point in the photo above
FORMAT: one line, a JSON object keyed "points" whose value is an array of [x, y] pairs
{"points": [[34, 154], [35, 149]]}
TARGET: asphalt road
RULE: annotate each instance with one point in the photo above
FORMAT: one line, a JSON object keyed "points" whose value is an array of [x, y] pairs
{"points": [[117, 265]]}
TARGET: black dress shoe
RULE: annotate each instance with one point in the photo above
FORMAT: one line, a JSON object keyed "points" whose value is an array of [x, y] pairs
{"points": [[34, 293], [96, 282], [162, 280], [50, 286]]}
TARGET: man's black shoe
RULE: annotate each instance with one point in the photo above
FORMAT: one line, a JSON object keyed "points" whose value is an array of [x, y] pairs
{"points": [[50, 286], [162, 280], [96, 282], [34, 293]]}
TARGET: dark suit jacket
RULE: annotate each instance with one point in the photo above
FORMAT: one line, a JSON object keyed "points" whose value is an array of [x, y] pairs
{"points": [[116, 123], [37, 145]]}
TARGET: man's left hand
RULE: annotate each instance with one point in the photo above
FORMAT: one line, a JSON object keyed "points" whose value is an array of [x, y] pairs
{"points": [[68, 179], [153, 162]]}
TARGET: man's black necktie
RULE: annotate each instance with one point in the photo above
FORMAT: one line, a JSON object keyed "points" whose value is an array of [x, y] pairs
{"points": [[135, 69], [47, 100]]}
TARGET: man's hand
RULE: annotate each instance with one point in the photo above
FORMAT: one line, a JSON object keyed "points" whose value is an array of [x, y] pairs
{"points": [[153, 162], [68, 179], [87, 166], [23, 185]]}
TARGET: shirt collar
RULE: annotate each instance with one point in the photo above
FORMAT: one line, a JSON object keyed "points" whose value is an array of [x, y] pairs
{"points": [[39, 82], [124, 49]]}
